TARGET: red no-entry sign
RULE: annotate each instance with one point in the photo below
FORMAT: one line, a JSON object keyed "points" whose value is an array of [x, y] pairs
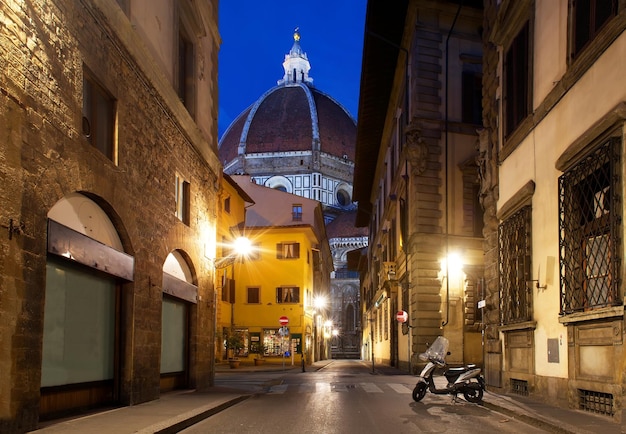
{"points": [[402, 316], [283, 320]]}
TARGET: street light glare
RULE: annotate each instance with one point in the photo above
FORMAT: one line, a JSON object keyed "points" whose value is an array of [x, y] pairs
{"points": [[319, 302], [242, 246]]}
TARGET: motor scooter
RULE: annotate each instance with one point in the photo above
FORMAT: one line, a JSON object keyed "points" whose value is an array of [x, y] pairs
{"points": [[466, 379]]}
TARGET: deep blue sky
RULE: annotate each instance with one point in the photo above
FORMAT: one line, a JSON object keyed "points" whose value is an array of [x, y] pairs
{"points": [[256, 35]]}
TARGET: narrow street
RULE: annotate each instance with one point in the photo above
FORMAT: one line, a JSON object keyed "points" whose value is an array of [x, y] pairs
{"points": [[345, 397]]}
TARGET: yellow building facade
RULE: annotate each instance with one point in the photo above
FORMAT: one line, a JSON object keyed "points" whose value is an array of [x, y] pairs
{"points": [[271, 296], [231, 218]]}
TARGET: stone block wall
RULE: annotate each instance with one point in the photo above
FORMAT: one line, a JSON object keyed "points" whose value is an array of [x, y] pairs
{"points": [[45, 48]]}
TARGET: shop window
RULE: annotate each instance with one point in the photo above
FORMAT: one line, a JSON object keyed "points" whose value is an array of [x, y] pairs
{"points": [[288, 294], [173, 335], [79, 326], [98, 123], [514, 238], [274, 343], [590, 229]]}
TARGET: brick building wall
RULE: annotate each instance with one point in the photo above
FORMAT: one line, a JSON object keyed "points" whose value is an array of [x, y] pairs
{"points": [[45, 48]]}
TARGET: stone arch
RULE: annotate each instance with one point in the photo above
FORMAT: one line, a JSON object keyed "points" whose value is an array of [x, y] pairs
{"points": [[82, 325]]}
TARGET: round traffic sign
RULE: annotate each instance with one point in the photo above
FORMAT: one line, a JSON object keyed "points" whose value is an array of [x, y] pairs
{"points": [[283, 320], [402, 316]]}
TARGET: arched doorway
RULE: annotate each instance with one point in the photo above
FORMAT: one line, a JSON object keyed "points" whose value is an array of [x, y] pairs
{"points": [[180, 294], [85, 268]]}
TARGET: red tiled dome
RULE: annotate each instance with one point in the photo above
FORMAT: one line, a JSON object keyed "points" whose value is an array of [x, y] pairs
{"points": [[294, 117]]}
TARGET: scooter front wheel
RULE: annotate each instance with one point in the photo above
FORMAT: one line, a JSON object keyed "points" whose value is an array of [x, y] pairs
{"points": [[473, 394], [419, 392]]}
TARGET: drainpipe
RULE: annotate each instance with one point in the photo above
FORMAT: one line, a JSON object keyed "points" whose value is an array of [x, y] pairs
{"points": [[445, 171]]}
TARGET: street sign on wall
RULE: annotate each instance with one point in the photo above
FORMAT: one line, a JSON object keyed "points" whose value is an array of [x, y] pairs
{"points": [[283, 320], [402, 316]]}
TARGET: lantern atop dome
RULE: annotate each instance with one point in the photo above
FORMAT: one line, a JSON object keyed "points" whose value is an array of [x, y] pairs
{"points": [[296, 64]]}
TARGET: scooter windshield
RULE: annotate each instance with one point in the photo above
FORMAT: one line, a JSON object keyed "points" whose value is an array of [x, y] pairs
{"points": [[437, 351]]}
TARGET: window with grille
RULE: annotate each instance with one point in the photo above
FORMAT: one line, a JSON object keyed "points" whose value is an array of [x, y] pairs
{"points": [[514, 238], [589, 228], [588, 17], [288, 294]]}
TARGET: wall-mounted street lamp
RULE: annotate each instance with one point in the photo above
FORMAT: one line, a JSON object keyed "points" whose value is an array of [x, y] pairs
{"points": [[239, 249]]}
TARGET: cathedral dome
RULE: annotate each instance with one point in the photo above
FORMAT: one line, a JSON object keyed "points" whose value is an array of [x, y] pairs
{"points": [[292, 118]]}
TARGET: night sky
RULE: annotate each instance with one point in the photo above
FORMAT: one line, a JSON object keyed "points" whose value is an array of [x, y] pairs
{"points": [[256, 35]]}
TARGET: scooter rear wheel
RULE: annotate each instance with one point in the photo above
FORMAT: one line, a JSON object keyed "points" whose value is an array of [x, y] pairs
{"points": [[473, 394], [419, 392]]}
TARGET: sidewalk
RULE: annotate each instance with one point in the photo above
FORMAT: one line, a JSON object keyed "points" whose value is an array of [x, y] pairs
{"points": [[175, 411]]}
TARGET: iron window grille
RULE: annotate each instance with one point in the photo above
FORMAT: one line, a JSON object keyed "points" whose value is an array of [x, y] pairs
{"points": [[589, 230], [514, 238]]}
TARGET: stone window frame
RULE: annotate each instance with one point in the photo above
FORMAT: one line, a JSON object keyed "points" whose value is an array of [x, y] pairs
{"points": [[513, 16], [185, 62], [99, 107], [597, 35], [584, 292], [182, 199], [611, 123]]}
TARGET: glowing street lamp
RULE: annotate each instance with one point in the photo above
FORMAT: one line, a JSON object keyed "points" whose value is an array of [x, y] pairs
{"points": [[240, 248]]}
